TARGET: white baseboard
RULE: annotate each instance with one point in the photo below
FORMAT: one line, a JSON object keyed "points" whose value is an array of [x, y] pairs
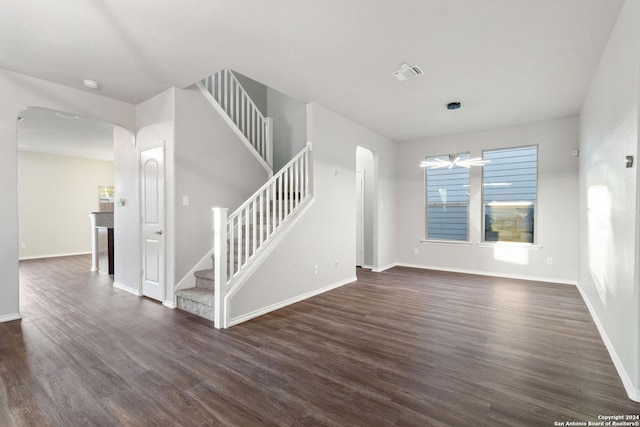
{"points": [[290, 301], [10, 317], [53, 255], [632, 392], [490, 274], [169, 304], [386, 267], [125, 288]]}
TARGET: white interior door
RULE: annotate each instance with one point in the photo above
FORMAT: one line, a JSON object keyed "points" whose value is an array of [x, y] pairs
{"points": [[152, 197], [359, 218]]}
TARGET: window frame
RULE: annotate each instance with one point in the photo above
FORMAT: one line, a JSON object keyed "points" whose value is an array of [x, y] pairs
{"points": [[535, 240], [426, 238]]}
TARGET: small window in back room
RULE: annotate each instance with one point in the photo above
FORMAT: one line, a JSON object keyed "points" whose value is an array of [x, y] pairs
{"points": [[447, 200], [509, 194]]}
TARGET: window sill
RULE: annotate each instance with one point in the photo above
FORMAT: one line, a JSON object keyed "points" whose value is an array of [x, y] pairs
{"points": [[529, 246], [447, 242]]}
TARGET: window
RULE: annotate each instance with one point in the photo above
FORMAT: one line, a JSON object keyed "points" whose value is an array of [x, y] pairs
{"points": [[447, 201], [509, 194]]}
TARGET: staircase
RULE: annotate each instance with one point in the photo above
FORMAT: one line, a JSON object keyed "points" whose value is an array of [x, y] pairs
{"points": [[200, 300], [241, 239], [224, 91]]}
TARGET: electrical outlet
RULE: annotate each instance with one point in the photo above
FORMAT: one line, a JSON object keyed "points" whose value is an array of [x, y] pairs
{"points": [[315, 270], [23, 245], [549, 260], [337, 264], [416, 251], [185, 200]]}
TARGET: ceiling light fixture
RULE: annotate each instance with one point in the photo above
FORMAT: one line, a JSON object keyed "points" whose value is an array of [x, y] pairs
{"points": [[454, 159], [91, 84]]}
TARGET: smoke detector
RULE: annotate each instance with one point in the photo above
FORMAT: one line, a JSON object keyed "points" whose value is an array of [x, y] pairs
{"points": [[407, 71]]}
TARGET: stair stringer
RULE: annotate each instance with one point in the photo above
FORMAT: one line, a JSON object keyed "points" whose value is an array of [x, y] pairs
{"points": [[234, 127], [261, 255]]}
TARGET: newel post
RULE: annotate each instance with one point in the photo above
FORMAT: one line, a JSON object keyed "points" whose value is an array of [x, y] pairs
{"points": [[220, 266]]}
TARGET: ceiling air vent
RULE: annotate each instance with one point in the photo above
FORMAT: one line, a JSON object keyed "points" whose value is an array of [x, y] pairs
{"points": [[407, 71]]}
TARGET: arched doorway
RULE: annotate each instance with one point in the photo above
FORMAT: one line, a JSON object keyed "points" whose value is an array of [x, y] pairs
{"points": [[366, 213], [65, 170]]}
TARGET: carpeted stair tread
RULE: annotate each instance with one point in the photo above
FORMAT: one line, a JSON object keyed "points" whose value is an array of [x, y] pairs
{"points": [[201, 295], [204, 274]]}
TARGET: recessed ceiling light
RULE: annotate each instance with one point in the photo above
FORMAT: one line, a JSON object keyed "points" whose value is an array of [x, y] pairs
{"points": [[91, 84]]}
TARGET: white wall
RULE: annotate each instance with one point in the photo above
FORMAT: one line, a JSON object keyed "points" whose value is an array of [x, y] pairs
{"points": [[289, 126], [557, 228], [55, 193], [19, 91], [256, 91], [609, 248], [213, 168], [326, 232], [125, 217], [289, 119]]}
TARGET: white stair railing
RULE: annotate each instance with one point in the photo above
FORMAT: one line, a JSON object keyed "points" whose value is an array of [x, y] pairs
{"points": [[231, 96], [254, 223]]}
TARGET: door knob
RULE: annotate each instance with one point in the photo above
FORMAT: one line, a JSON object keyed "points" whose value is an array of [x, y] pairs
{"points": [[159, 233]]}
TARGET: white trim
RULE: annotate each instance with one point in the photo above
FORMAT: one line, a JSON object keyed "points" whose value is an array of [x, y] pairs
{"points": [[53, 255], [125, 288], [383, 268], [632, 392], [10, 317], [368, 267], [290, 301], [493, 245], [491, 274], [447, 242], [169, 304]]}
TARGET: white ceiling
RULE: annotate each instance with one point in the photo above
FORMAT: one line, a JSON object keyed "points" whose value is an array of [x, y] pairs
{"points": [[507, 61], [46, 131]]}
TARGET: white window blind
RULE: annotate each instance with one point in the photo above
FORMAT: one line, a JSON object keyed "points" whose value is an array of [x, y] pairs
{"points": [[447, 199], [509, 194]]}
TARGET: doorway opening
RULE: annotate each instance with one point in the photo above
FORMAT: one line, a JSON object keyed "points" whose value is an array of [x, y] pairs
{"points": [[66, 172], [366, 215]]}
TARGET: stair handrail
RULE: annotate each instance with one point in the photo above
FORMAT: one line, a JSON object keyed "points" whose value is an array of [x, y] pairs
{"points": [[280, 173], [286, 191], [230, 94]]}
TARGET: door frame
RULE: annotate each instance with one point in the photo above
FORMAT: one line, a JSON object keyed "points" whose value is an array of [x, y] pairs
{"points": [[162, 144], [374, 209], [360, 201]]}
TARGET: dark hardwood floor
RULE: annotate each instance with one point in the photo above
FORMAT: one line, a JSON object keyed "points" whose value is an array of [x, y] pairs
{"points": [[399, 348]]}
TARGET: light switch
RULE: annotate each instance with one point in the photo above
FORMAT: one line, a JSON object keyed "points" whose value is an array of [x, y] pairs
{"points": [[185, 200]]}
